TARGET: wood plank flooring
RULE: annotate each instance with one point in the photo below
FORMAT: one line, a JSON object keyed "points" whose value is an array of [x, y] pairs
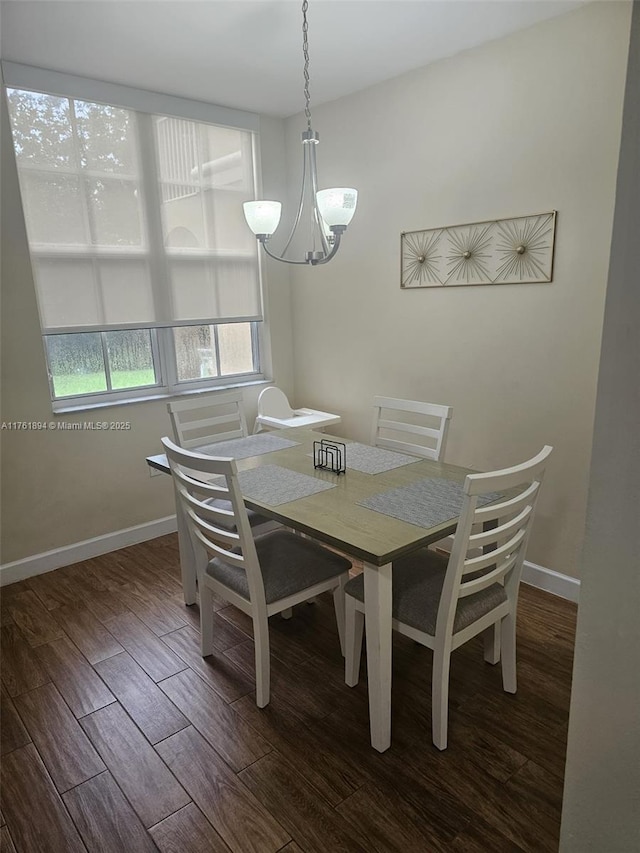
{"points": [[118, 736]]}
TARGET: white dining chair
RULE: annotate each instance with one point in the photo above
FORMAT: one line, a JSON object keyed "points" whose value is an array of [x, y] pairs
{"points": [[262, 576], [414, 427], [275, 412], [209, 419], [443, 602], [410, 426]]}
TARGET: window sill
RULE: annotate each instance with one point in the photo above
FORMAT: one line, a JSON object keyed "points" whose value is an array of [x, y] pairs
{"points": [[60, 408]]}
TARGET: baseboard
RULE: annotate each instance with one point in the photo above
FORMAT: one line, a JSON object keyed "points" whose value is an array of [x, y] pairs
{"points": [[554, 582], [546, 579], [38, 564]]}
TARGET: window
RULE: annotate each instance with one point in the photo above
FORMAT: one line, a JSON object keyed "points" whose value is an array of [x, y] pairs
{"points": [[147, 278]]}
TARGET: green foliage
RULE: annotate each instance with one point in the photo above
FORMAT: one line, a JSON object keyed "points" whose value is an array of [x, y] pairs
{"points": [[42, 132], [67, 385], [129, 350], [77, 361], [46, 129], [75, 354]]}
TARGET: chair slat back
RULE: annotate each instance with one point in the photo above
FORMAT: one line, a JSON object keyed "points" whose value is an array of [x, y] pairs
{"points": [[427, 424], [204, 420], [199, 480], [499, 531]]}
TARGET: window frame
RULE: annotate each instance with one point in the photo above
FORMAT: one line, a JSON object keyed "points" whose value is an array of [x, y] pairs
{"points": [[165, 365]]}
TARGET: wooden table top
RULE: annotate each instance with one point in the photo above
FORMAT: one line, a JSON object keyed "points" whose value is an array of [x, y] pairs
{"points": [[333, 516]]}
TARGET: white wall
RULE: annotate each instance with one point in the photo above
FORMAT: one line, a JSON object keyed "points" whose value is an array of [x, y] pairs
{"points": [[522, 125], [602, 781], [64, 487]]}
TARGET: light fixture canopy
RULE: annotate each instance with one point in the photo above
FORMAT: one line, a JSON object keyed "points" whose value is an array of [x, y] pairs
{"points": [[328, 211]]}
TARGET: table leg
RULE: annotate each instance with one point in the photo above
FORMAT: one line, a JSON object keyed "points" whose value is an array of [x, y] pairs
{"points": [[187, 557], [377, 598]]}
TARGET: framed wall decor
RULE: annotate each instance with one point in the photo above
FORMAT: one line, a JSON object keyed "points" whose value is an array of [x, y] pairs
{"points": [[499, 251]]}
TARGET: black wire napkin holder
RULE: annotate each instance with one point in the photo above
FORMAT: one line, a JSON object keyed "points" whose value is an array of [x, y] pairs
{"points": [[330, 456]]}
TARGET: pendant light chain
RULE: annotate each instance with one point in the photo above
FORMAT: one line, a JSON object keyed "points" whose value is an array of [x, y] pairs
{"points": [[305, 53]]}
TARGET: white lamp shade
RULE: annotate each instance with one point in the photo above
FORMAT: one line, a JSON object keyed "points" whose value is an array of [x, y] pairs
{"points": [[262, 216], [337, 205]]}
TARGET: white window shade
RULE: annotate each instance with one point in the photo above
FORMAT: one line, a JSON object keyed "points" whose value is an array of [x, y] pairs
{"points": [[219, 290], [134, 220], [53, 209], [68, 294], [126, 293]]}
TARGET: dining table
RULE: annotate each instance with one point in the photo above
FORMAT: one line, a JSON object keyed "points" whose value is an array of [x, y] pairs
{"points": [[383, 506]]}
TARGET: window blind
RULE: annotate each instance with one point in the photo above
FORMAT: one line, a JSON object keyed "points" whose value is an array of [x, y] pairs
{"points": [[134, 218]]}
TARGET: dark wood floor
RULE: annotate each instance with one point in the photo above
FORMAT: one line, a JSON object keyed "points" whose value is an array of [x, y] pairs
{"points": [[118, 736]]}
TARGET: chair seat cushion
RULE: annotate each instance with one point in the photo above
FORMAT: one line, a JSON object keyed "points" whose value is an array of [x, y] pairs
{"points": [[288, 562], [417, 582], [254, 518]]}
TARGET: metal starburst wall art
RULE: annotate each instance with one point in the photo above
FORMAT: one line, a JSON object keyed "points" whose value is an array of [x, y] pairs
{"points": [[501, 251]]}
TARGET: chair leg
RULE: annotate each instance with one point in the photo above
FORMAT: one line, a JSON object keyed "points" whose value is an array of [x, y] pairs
{"points": [[287, 614], [188, 556], [491, 639], [354, 627], [440, 696], [261, 648], [338, 603], [508, 639], [206, 620]]}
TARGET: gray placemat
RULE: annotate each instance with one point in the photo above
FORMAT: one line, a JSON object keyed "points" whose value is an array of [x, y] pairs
{"points": [[374, 460], [273, 485], [251, 445], [424, 503]]}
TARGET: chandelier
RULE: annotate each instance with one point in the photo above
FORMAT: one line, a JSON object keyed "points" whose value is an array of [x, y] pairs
{"points": [[324, 213]]}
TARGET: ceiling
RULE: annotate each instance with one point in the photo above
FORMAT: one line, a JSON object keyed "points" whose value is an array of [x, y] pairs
{"points": [[248, 53]]}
